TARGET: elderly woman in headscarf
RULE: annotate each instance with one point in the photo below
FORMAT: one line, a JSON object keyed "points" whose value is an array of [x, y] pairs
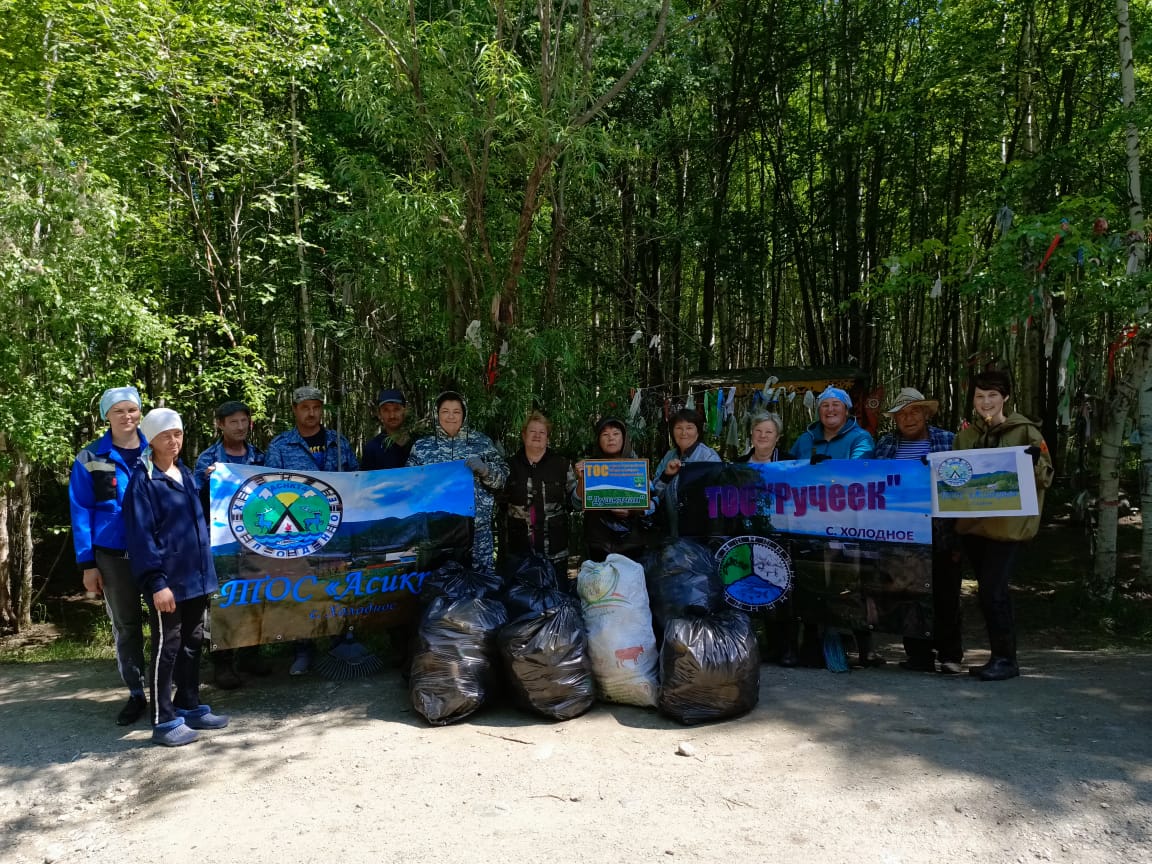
{"points": [[171, 557], [454, 441]]}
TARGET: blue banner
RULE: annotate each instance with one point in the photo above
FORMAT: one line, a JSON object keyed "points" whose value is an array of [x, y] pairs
{"points": [[849, 540], [305, 554]]}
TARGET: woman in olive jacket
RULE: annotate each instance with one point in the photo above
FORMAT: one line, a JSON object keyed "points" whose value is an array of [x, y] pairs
{"points": [[992, 543]]}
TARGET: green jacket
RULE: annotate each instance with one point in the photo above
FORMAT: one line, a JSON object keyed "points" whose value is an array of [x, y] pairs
{"points": [[1016, 431]]}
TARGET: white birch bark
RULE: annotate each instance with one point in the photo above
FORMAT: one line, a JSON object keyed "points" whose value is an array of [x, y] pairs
{"points": [[1126, 396]]}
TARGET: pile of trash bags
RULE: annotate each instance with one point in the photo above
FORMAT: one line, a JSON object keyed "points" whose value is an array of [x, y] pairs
{"points": [[556, 653]]}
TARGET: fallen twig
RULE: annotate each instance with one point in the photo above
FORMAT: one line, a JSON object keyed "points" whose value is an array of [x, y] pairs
{"points": [[506, 738]]}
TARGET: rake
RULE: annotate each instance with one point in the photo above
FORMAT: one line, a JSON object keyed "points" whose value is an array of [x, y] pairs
{"points": [[347, 660]]}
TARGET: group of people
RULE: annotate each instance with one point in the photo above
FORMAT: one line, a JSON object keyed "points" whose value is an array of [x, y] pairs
{"points": [[990, 544], [140, 528]]}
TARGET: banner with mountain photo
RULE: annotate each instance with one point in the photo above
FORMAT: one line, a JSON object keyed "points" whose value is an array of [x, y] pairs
{"points": [[306, 554], [971, 484], [850, 541]]}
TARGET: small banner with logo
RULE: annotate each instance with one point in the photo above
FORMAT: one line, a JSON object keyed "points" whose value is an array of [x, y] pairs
{"points": [[850, 541], [971, 484], [306, 554]]}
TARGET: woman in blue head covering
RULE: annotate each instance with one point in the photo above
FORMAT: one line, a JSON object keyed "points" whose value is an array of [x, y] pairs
{"points": [[836, 435], [96, 489]]}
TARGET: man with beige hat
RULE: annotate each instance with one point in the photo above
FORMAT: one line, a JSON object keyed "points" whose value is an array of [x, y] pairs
{"points": [[915, 438]]}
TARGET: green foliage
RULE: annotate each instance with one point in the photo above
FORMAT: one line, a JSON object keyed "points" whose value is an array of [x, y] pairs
{"points": [[81, 325], [226, 199]]}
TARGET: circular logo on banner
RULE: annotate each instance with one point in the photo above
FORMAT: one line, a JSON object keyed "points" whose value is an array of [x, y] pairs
{"points": [[955, 471], [284, 515], [757, 573]]}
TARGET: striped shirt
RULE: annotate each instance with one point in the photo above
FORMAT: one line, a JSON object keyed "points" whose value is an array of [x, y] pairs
{"points": [[888, 447]]}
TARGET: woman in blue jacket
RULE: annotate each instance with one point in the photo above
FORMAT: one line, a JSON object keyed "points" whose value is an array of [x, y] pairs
{"points": [[171, 557], [96, 499], [835, 435]]}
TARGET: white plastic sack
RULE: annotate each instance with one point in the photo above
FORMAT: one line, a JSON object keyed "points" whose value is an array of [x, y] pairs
{"points": [[619, 624]]}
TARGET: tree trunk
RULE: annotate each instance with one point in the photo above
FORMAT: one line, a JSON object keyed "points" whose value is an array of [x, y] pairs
{"points": [[1132, 135], [1136, 234], [1144, 424], [7, 612], [306, 335], [1102, 580], [21, 539]]}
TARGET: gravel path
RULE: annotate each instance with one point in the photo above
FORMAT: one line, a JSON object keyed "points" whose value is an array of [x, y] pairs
{"points": [[876, 766]]}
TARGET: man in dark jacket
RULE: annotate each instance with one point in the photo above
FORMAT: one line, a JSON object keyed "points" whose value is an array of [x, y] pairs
{"points": [[234, 422], [309, 445], [391, 447], [171, 557]]}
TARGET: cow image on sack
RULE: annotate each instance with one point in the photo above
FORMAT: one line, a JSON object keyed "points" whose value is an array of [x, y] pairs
{"points": [[710, 666], [547, 658], [454, 653], [614, 600]]}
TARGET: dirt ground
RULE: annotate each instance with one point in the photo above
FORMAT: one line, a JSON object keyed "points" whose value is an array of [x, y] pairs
{"points": [[879, 765]]}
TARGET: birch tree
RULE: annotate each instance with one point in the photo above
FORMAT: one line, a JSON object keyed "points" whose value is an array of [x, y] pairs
{"points": [[1102, 585]]}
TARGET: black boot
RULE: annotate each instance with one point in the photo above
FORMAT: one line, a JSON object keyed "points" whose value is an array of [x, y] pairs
{"points": [[224, 670], [1003, 665], [1000, 669], [920, 658], [250, 661], [867, 657], [811, 652], [789, 650]]}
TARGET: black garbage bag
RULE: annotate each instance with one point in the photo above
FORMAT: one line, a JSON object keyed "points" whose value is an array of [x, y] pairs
{"points": [[533, 588], [546, 654], [454, 657], [710, 666], [453, 581], [681, 574]]}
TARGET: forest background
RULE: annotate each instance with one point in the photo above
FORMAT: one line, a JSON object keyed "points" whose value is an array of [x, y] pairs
{"points": [[557, 203]]}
